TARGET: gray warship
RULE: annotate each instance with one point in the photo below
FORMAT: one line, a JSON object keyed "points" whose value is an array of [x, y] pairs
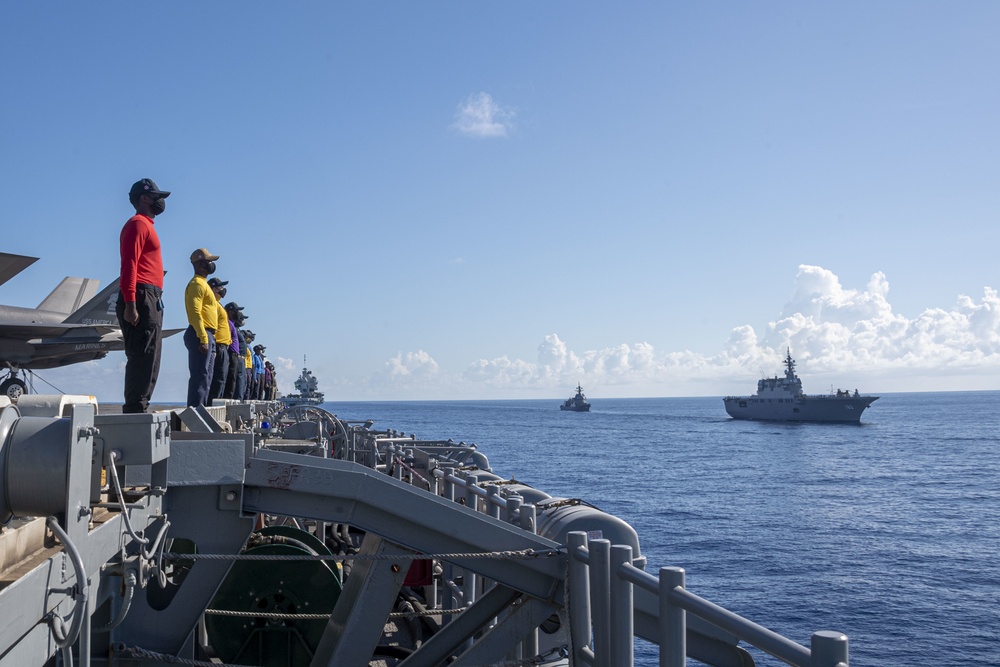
{"points": [[782, 399], [577, 403]]}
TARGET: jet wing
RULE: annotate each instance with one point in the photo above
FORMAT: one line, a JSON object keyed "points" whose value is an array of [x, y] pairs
{"points": [[11, 265], [30, 331]]}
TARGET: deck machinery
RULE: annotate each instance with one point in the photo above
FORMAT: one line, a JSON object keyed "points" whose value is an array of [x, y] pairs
{"points": [[247, 534]]}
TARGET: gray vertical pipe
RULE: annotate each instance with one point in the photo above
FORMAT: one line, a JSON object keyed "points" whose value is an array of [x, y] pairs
{"points": [[622, 623], [829, 649], [673, 620], [471, 499], [529, 647], [600, 600], [88, 609], [410, 460], [528, 518], [449, 486], [492, 496], [513, 508], [400, 458], [470, 580], [579, 595], [447, 595]]}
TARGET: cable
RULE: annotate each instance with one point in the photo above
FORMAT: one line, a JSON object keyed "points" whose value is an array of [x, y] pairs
{"points": [[130, 582], [121, 501], [65, 639]]}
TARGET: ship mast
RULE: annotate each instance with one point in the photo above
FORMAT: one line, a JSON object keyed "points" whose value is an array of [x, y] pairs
{"points": [[789, 364]]}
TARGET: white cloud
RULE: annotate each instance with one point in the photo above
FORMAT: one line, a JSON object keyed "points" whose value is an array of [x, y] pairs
{"points": [[286, 373], [839, 336], [481, 116], [405, 370]]}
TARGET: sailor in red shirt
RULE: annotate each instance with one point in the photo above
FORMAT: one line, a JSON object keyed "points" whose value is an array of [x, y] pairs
{"points": [[140, 299]]}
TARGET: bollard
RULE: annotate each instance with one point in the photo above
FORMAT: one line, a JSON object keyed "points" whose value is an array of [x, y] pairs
{"points": [[600, 600], [471, 499], [513, 508], [622, 623], [828, 649], [492, 496], [673, 620], [449, 486], [579, 596], [528, 518]]}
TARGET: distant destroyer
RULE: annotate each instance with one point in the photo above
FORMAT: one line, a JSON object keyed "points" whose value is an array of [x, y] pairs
{"points": [[578, 403], [782, 399]]}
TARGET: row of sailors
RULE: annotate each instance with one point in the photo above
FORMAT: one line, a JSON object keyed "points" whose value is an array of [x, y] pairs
{"points": [[221, 362]]}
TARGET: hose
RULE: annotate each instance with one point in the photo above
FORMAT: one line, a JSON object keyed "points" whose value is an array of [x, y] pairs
{"points": [[64, 639], [130, 582], [121, 501]]}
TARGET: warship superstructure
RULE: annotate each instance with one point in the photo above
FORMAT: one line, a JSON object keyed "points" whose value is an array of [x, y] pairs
{"points": [[308, 386], [248, 533], [782, 399]]}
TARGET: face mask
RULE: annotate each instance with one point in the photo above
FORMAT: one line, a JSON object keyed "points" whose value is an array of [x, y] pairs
{"points": [[158, 206], [209, 266]]}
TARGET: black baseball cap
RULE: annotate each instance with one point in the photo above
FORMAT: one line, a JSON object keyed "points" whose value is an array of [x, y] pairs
{"points": [[215, 282], [232, 305], [146, 186]]}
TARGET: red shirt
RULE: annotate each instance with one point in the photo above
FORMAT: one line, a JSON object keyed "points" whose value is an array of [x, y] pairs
{"points": [[140, 252]]}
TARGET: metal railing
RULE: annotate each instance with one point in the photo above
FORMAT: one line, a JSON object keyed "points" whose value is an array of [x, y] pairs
{"points": [[601, 576], [601, 581]]}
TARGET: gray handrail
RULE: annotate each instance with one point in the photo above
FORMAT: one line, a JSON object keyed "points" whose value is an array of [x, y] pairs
{"points": [[601, 579], [613, 580]]}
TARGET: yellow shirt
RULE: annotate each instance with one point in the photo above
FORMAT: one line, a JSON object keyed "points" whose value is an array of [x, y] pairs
{"points": [[201, 307], [248, 358], [222, 333]]}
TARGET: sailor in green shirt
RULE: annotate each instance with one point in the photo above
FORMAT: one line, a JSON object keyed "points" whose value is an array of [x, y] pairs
{"points": [[199, 338]]}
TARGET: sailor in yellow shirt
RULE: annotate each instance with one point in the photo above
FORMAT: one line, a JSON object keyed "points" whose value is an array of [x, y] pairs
{"points": [[223, 338], [199, 338]]}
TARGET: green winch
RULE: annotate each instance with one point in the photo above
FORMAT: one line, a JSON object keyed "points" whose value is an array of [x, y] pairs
{"points": [[252, 620]]}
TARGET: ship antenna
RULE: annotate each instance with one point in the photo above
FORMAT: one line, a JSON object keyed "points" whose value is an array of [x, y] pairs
{"points": [[789, 364]]}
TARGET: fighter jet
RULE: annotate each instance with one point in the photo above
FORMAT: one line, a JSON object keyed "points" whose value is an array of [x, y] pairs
{"points": [[69, 326]]}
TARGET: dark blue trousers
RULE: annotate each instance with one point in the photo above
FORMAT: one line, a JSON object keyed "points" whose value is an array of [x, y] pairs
{"points": [[219, 372], [200, 366]]}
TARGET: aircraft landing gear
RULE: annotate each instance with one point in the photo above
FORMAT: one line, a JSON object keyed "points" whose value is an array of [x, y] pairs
{"points": [[12, 388]]}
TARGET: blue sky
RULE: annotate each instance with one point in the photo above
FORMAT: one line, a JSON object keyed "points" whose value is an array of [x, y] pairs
{"points": [[498, 200]]}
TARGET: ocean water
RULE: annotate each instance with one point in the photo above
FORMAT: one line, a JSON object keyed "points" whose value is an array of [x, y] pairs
{"points": [[888, 531]]}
